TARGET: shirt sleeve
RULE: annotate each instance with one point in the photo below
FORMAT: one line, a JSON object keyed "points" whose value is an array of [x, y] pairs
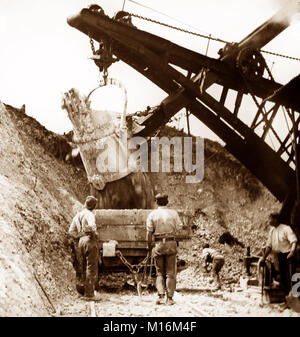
{"points": [[149, 223], [73, 231], [291, 235], [178, 223], [269, 241], [203, 254]]}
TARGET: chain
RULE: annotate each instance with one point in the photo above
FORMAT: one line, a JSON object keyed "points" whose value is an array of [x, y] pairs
{"points": [[94, 53], [105, 73], [130, 266], [92, 46], [280, 55], [177, 28], [209, 37]]}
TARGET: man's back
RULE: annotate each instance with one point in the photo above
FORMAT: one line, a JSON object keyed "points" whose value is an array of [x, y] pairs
{"points": [[84, 221], [163, 221], [212, 253]]}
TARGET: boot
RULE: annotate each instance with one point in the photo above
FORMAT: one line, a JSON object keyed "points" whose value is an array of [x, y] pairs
{"points": [[160, 299], [96, 297], [170, 301]]}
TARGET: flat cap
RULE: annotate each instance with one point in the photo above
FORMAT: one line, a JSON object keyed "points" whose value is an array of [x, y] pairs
{"points": [[161, 196], [90, 202]]}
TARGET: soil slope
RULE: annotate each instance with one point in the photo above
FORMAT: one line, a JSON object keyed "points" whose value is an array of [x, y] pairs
{"points": [[40, 193]]}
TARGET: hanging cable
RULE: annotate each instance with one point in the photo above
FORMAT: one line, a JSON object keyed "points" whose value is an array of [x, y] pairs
{"points": [[177, 28], [166, 15], [281, 55], [207, 45], [193, 33]]}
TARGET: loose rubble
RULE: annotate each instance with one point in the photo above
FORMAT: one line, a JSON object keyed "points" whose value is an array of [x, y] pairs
{"points": [[40, 193]]}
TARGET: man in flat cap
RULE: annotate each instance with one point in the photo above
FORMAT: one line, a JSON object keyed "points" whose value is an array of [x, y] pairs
{"points": [[163, 223], [83, 228]]}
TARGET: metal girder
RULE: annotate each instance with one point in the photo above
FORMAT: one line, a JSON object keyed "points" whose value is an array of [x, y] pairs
{"points": [[132, 40], [101, 27], [262, 35], [253, 153], [154, 58], [244, 144]]}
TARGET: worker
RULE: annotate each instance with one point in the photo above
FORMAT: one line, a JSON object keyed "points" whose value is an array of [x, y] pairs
{"points": [[84, 229], [212, 261], [163, 223], [282, 243]]}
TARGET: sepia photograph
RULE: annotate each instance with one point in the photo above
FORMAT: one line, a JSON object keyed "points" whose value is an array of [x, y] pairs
{"points": [[150, 162]]}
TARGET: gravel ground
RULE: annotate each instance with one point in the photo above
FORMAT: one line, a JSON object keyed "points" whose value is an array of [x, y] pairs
{"points": [[191, 300]]}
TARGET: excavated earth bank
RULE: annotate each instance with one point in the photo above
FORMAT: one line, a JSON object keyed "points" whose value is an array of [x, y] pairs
{"points": [[40, 193]]}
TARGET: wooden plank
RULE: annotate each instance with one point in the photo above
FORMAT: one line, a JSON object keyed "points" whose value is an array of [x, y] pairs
{"points": [[128, 227], [132, 216]]}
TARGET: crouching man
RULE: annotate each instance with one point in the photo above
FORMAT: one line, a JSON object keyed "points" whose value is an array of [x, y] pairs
{"points": [[164, 223], [212, 261], [84, 229]]}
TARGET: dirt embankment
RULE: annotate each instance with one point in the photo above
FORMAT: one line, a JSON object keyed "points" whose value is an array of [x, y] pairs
{"points": [[40, 193]]}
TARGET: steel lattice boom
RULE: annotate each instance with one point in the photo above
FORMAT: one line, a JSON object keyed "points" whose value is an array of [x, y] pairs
{"points": [[241, 68]]}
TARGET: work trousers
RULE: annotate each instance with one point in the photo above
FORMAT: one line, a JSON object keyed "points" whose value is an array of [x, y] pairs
{"points": [[286, 270], [166, 269], [218, 263], [90, 252]]}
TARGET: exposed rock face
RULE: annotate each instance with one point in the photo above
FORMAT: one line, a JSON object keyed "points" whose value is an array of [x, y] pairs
{"points": [[40, 193]]}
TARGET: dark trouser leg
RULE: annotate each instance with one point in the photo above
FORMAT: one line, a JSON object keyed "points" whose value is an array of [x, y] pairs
{"points": [[287, 269], [89, 248], [171, 274], [285, 281], [217, 266], [160, 266], [77, 261]]}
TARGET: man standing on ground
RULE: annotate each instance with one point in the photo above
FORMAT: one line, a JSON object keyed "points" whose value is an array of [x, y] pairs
{"points": [[83, 227], [164, 223], [282, 242], [212, 261]]}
